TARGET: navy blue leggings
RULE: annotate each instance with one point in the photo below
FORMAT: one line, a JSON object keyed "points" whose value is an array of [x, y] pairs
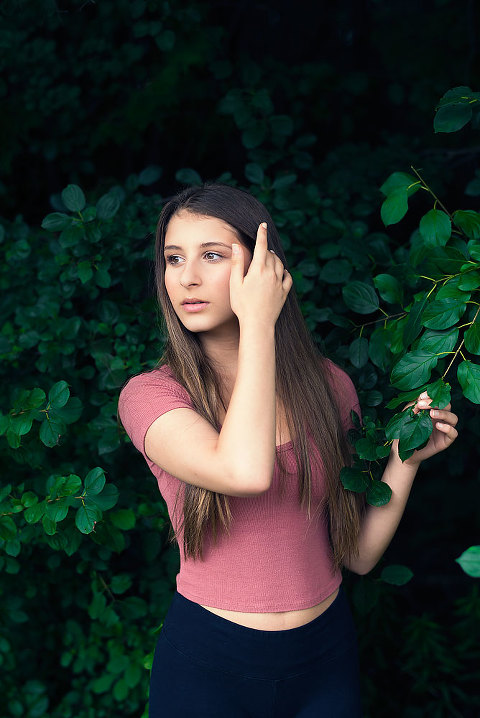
{"points": [[205, 666]]}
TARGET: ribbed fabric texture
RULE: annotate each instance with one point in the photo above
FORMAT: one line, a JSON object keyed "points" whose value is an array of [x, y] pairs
{"points": [[274, 558]]}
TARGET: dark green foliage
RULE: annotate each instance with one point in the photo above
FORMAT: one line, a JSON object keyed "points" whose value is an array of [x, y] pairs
{"points": [[102, 89]]}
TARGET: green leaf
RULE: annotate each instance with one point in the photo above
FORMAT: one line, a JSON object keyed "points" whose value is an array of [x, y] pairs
{"points": [[56, 222], [8, 529], [123, 519], [470, 561], [59, 394], [451, 118], [394, 207], [13, 547], [379, 348], [107, 498], [253, 135], [440, 393], [413, 369], [450, 290], [468, 221], [281, 125], [400, 181], [358, 352], [188, 176], [389, 288], [73, 198], [14, 439], [72, 410], [378, 493], [438, 342], [474, 249], [29, 499], [84, 271], [89, 215], [4, 491], [395, 425], [72, 236], [22, 424], [413, 326], [34, 513], [102, 684], [49, 526], [50, 431], [284, 181], [35, 399], [416, 431], [148, 176], [121, 583], [133, 675], [58, 509], [254, 173], [443, 313], [107, 206], [472, 339], [469, 281], [336, 271], [436, 227], [360, 297], [86, 517], [396, 575], [95, 481], [366, 449], [468, 375], [354, 479], [72, 485], [103, 278]]}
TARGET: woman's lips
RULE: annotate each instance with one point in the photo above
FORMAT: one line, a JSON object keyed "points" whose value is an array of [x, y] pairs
{"points": [[194, 306]]}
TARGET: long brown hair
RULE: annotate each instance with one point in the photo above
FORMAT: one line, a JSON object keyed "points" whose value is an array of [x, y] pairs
{"points": [[303, 383]]}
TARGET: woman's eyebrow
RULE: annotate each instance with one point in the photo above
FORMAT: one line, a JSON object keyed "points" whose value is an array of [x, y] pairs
{"points": [[203, 245]]}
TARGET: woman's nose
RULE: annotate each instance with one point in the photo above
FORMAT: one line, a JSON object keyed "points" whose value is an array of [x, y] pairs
{"points": [[190, 276]]}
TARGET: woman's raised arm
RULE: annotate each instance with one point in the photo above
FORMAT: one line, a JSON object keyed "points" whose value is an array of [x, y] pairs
{"points": [[237, 461]]}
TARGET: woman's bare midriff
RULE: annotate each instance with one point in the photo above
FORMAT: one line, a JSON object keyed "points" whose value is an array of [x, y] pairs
{"points": [[278, 621]]}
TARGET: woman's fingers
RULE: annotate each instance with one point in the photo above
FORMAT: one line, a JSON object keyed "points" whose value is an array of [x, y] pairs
{"points": [[447, 417], [262, 256], [260, 249], [237, 266]]}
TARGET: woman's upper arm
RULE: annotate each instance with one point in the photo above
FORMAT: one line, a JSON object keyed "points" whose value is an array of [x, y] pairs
{"points": [[185, 445]]}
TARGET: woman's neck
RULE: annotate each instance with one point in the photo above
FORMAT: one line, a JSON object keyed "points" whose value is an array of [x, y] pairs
{"points": [[223, 353]]}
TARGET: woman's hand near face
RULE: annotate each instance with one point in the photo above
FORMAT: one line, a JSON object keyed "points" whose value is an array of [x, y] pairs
{"points": [[260, 293], [443, 433]]}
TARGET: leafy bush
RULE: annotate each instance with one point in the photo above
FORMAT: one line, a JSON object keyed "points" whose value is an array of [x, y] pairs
{"points": [[86, 565]]}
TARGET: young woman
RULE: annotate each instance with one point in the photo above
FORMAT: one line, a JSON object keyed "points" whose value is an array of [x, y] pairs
{"points": [[244, 425]]}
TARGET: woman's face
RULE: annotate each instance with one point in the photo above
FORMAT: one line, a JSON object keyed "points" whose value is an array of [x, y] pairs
{"points": [[198, 253]]}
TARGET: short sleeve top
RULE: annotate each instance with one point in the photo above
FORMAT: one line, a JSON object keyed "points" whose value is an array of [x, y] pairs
{"points": [[275, 558]]}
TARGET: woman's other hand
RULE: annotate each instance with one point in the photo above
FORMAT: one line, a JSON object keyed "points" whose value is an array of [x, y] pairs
{"points": [[443, 434]]}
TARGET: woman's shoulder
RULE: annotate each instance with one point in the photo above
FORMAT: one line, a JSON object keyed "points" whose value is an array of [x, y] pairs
{"points": [[338, 376], [161, 375], [153, 385], [343, 388], [147, 396]]}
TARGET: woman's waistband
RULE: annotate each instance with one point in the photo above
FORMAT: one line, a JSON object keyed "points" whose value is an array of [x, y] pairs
{"points": [[230, 647]]}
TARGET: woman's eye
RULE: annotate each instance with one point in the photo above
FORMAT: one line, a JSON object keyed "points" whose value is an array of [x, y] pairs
{"points": [[173, 259], [212, 256]]}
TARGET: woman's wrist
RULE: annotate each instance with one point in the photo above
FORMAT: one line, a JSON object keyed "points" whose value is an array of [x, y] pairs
{"points": [[408, 466]]}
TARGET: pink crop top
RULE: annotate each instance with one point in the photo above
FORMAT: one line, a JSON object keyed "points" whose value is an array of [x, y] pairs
{"points": [[274, 558]]}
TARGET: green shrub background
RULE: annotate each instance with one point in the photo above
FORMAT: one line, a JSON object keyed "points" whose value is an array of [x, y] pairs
{"points": [[107, 109]]}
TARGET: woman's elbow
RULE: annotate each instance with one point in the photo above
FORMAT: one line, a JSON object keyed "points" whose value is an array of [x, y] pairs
{"points": [[253, 483]]}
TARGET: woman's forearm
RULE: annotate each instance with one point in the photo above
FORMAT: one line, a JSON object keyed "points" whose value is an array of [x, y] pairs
{"points": [[247, 436], [380, 522]]}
